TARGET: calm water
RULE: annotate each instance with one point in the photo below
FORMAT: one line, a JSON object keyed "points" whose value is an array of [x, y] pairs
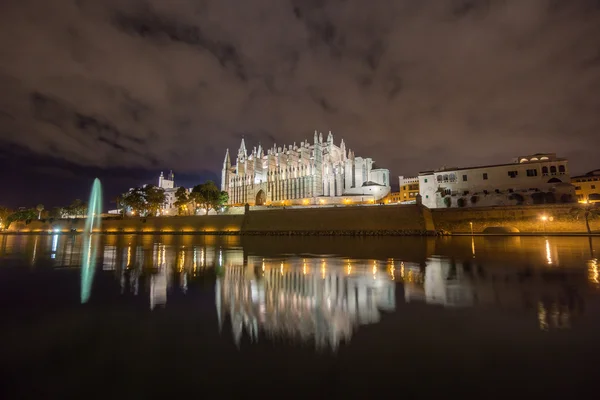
{"points": [[293, 317]]}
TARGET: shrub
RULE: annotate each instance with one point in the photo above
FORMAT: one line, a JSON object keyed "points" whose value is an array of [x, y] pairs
{"points": [[549, 197], [567, 198], [461, 202], [474, 199], [448, 201], [517, 197], [538, 198]]}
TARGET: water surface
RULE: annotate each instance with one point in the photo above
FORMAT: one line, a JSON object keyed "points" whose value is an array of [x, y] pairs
{"points": [[290, 317]]}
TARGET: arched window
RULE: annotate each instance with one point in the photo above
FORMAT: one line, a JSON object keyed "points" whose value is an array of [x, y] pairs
{"points": [[544, 170], [439, 178], [452, 177], [445, 177], [553, 170], [561, 169]]}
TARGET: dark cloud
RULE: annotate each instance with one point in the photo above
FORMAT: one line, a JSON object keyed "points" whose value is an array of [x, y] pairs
{"points": [[413, 84]]}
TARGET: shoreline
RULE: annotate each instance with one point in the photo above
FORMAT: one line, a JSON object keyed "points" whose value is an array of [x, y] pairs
{"points": [[315, 233]]}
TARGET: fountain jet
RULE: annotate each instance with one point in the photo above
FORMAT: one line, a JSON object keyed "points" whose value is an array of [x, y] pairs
{"points": [[90, 241]]}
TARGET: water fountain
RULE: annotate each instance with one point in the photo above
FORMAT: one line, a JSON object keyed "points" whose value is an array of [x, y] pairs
{"points": [[90, 240]]}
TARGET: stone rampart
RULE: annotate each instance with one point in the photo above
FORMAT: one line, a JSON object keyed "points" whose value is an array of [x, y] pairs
{"points": [[374, 220], [527, 219], [223, 224]]}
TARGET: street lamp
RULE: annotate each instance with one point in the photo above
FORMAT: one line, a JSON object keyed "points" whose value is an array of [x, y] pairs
{"points": [[544, 218]]}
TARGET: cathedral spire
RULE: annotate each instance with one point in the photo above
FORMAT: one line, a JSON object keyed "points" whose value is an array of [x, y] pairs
{"points": [[242, 151], [227, 160]]}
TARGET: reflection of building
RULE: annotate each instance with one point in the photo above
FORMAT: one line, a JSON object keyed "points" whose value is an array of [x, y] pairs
{"points": [[456, 284], [525, 181], [299, 174], [409, 188], [305, 300], [587, 187]]}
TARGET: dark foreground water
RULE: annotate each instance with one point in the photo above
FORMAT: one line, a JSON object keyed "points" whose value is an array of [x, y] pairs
{"points": [[165, 316]]}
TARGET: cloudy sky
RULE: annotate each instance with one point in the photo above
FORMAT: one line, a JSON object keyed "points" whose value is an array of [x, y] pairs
{"points": [[124, 88]]}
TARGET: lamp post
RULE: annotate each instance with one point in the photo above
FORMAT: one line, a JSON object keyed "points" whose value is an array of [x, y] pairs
{"points": [[544, 218]]}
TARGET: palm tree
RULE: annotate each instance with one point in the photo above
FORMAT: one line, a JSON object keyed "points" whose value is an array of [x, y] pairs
{"points": [[588, 212], [40, 208]]}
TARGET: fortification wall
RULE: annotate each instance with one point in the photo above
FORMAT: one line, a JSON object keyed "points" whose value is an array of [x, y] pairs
{"points": [[396, 219], [183, 224], [524, 218], [340, 220]]}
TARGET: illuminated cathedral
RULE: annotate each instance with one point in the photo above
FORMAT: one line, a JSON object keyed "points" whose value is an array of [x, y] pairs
{"points": [[317, 173]]}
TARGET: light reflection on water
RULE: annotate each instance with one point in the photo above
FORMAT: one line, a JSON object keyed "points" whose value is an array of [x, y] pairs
{"points": [[266, 287]]}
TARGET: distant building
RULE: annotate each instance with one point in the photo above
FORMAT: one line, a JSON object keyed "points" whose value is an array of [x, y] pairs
{"points": [[168, 184], [587, 187], [535, 179], [394, 197], [409, 188], [317, 173]]}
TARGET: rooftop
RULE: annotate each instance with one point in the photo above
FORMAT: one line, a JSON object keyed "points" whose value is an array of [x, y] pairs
{"points": [[519, 160]]}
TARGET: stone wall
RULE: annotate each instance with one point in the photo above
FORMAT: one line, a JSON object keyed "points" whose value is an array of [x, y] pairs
{"points": [[192, 224], [525, 219], [341, 220], [394, 219]]}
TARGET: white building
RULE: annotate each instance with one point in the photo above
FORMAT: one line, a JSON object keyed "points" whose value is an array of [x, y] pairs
{"points": [[535, 179], [317, 173]]}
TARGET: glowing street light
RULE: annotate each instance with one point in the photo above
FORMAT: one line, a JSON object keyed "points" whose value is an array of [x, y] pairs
{"points": [[544, 219]]}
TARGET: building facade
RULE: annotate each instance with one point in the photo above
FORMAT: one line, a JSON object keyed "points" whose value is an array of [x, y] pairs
{"points": [[535, 179], [168, 185], [587, 187], [317, 173], [409, 188]]}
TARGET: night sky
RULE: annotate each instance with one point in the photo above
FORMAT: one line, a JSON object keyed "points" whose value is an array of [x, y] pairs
{"points": [[122, 89]]}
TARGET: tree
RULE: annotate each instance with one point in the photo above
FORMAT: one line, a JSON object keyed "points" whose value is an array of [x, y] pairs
{"points": [[587, 212], [4, 214], [39, 208], [155, 198], [135, 201], [448, 201], [206, 195], [22, 215], [77, 208], [182, 199], [461, 202], [222, 200]]}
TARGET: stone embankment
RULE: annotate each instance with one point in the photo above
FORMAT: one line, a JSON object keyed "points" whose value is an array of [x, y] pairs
{"points": [[388, 220], [535, 219], [397, 220]]}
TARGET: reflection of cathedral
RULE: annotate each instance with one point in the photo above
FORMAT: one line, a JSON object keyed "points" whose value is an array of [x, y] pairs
{"points": [[309, 299], [455, 284]]}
